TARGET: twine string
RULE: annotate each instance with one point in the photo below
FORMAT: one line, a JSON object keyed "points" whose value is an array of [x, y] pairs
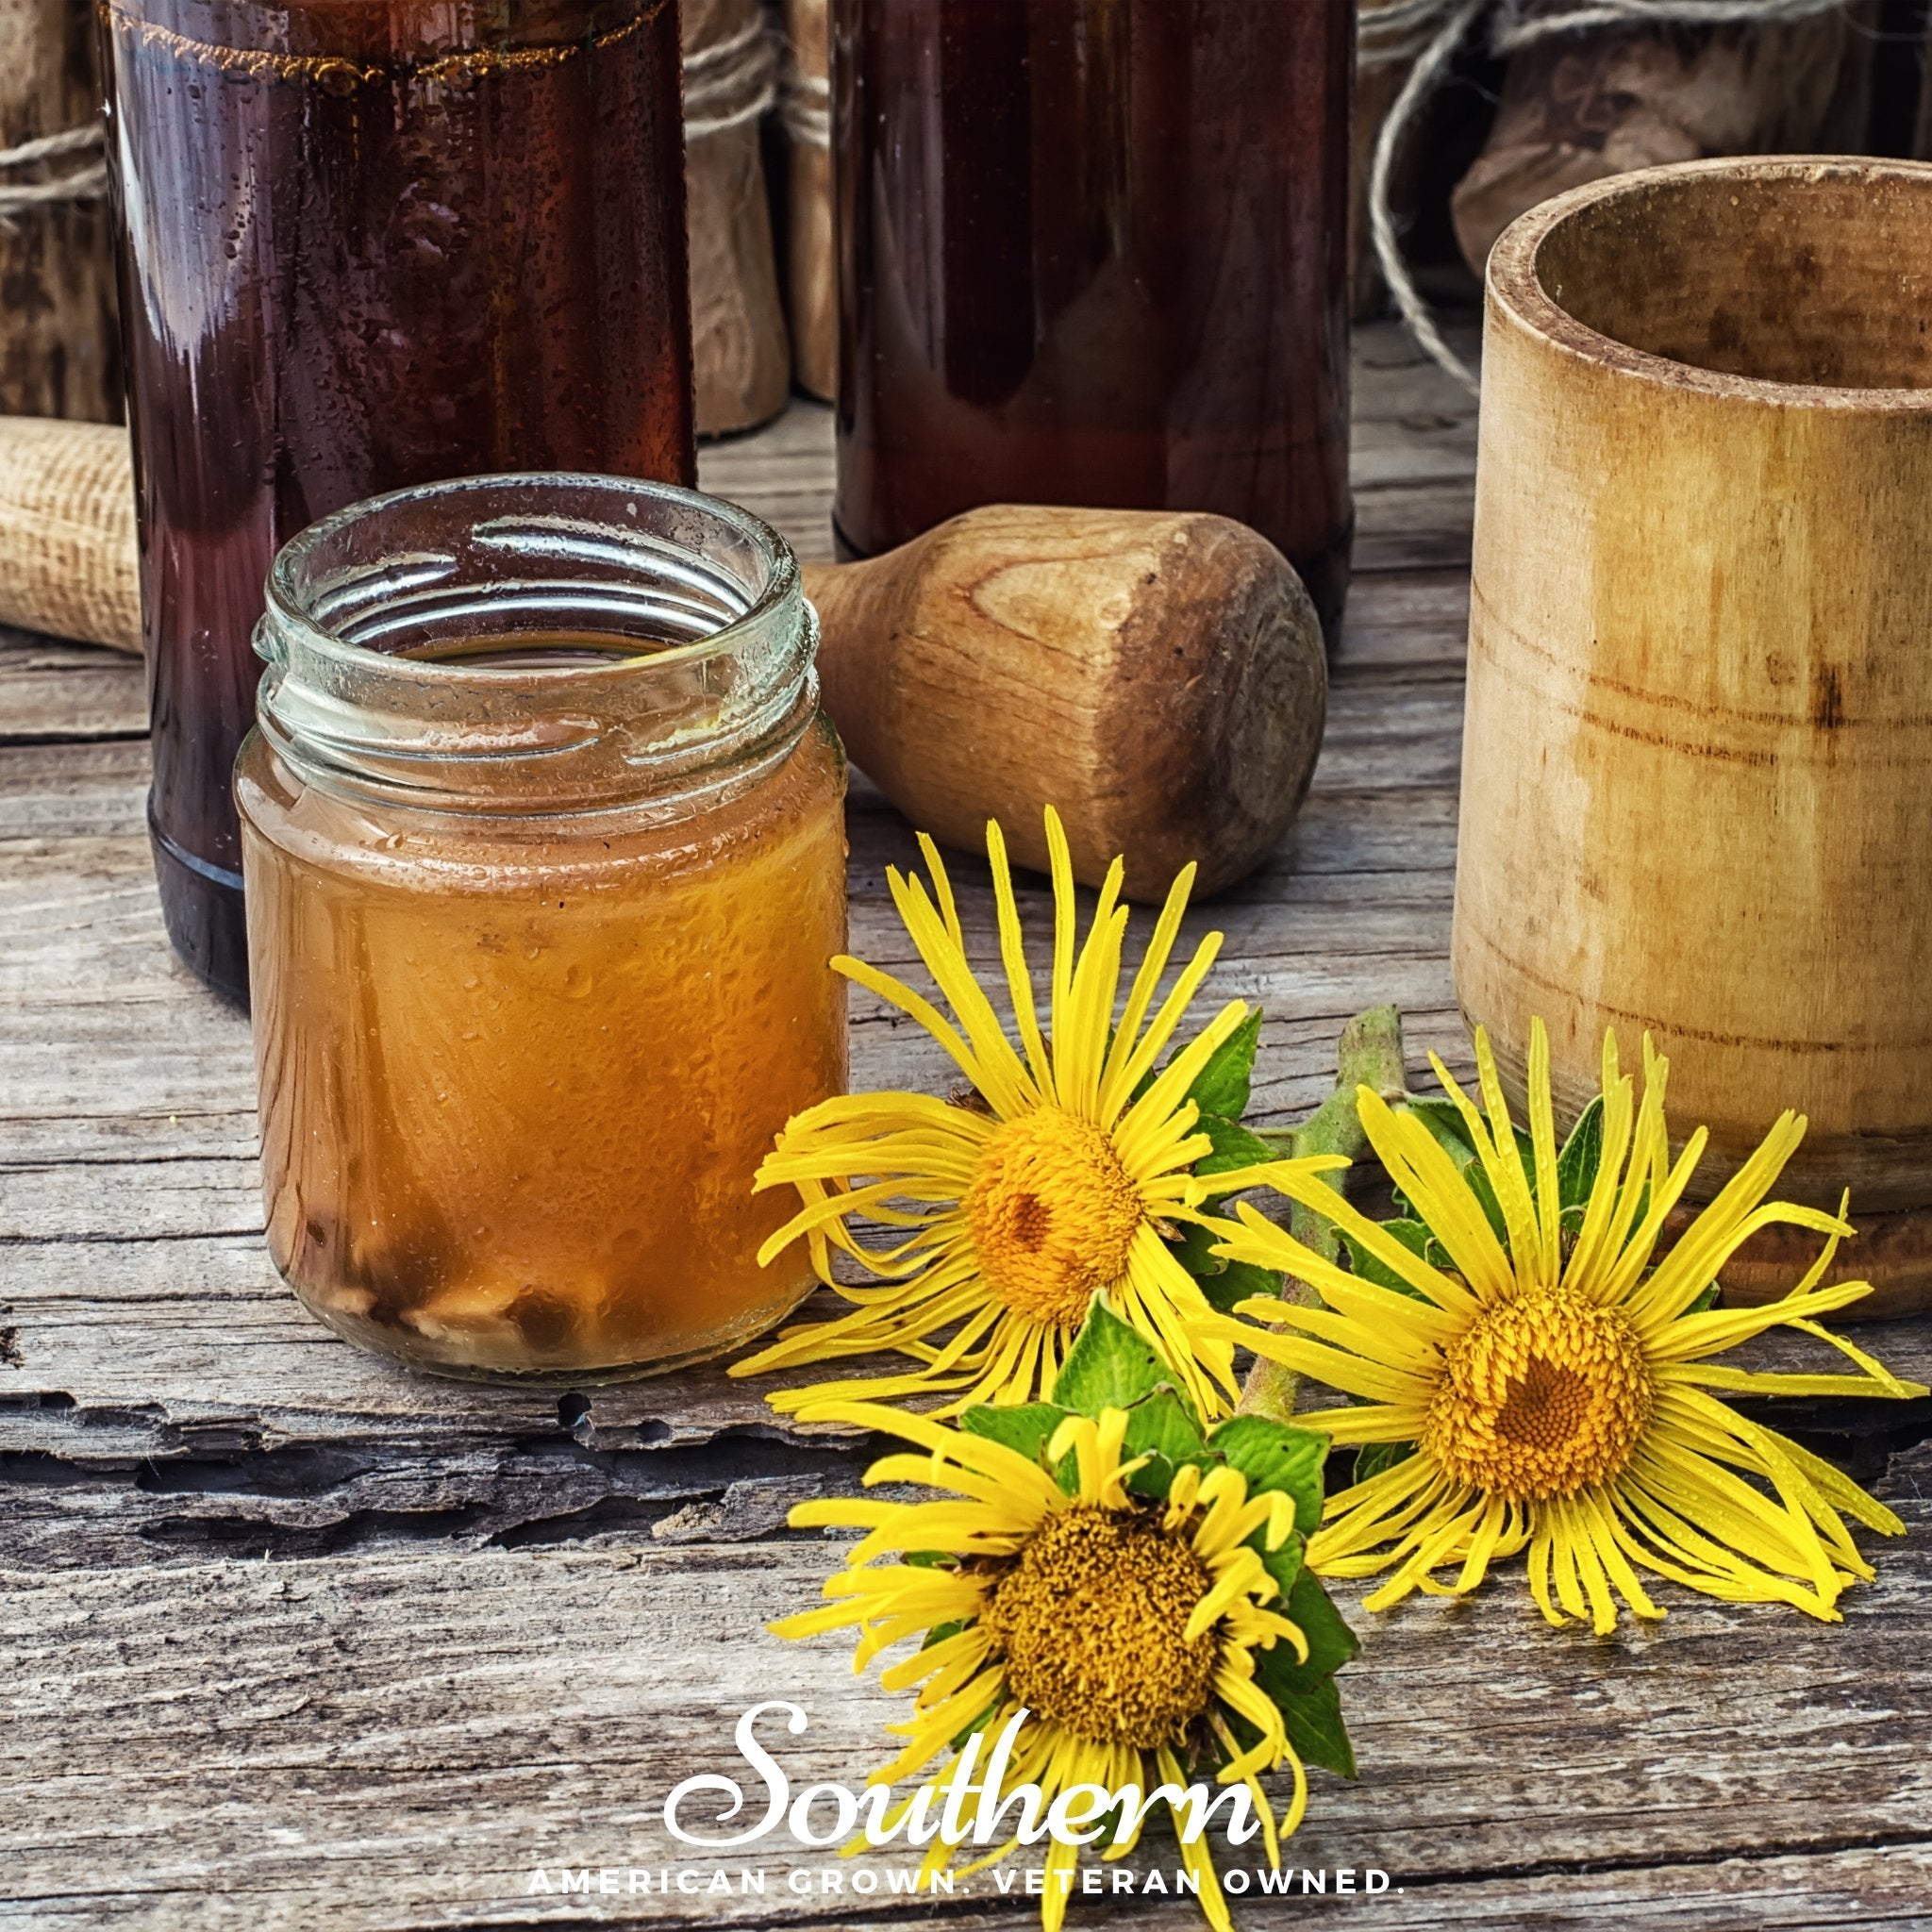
{"points": [[731, 83], [86, 181], [1421, 82], [805, 103], [1391, 30], [1515, 27], [1405, 25]]}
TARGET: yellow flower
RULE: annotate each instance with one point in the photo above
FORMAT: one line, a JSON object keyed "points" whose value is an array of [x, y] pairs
{"points": [[1125, 1627], [1554, 1379], [1058, 1184]]}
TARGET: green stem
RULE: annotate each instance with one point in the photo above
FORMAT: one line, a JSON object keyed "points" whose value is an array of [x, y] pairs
{"points": [[1369, 1054]]}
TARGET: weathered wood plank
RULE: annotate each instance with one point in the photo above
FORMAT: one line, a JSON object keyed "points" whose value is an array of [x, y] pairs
{"points": [[398, 1737], [63, 693]]}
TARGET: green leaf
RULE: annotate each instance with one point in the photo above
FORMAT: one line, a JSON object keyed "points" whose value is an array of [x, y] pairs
{"points": [[1307, 1692], [1194, 1251], [1411, 1234], [1486, 1197], [1222, 1087], [978, 1723], [1238, 1282], [1582, 1155], [1313, 1720], [1331, 1642], [1234, 1146], [1707, 1299], [1110, 1366], [1374, 1458], [1273, 1456], [1163, 1421], [1025, 1426], [1284, 1564]]}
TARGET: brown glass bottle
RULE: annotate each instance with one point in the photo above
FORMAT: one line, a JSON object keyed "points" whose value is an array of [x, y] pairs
{"points": [[368, 243], [1095, 252]]}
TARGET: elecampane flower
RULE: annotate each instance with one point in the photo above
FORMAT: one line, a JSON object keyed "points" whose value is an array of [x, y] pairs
{"points": [[1060, 1180], [1549, 1385], [1127, 1628]]}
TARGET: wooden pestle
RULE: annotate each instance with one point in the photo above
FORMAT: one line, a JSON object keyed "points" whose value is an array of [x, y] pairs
{"points": [[1159, 677]]}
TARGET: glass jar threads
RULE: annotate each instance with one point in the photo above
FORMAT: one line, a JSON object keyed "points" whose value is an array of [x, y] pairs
{"points": [[364, 247], [543, 838], [1095, 252]]}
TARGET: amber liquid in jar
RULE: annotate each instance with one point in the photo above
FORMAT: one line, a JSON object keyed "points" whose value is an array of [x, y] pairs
{"points": [[522, 1044], [1095, 252], [367, 243], [525, 1138]]}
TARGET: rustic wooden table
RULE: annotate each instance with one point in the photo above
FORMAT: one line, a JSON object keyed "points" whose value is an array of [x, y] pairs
{"points": [[290, 1639]]}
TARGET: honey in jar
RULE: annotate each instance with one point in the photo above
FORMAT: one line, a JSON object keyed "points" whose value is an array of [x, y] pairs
{"points": [[367, 245], [543, 840]]}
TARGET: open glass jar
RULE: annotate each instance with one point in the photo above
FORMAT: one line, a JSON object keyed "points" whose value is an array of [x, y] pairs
{"points": [[543, 838]]}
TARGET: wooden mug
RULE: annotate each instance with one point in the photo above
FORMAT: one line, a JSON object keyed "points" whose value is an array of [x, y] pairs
{"points": [[1697, 773]]}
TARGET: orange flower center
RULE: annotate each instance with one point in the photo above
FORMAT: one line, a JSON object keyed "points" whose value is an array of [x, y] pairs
{"points": [[1053, 1214], [1545, 1394]]}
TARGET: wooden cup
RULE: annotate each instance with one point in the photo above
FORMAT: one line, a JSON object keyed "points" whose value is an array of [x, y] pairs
{"points": [[1697, 774]]}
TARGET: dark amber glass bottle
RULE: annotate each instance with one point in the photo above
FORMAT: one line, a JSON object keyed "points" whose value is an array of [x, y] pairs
{"points": [[369, 243], [1095, 252]]}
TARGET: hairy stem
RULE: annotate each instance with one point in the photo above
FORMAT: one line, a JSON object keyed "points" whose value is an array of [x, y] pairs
{"points": [[1370, 1054]]}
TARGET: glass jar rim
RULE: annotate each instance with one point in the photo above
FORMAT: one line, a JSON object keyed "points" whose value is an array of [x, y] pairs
{"points": [[718, 680], [286, 605]]}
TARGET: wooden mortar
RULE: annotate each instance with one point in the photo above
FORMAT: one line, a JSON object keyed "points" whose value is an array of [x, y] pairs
{"points": [[1699, 726]]}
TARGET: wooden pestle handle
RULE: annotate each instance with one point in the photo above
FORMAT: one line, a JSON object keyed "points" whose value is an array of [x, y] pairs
{"points": [[1157, 676]]}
